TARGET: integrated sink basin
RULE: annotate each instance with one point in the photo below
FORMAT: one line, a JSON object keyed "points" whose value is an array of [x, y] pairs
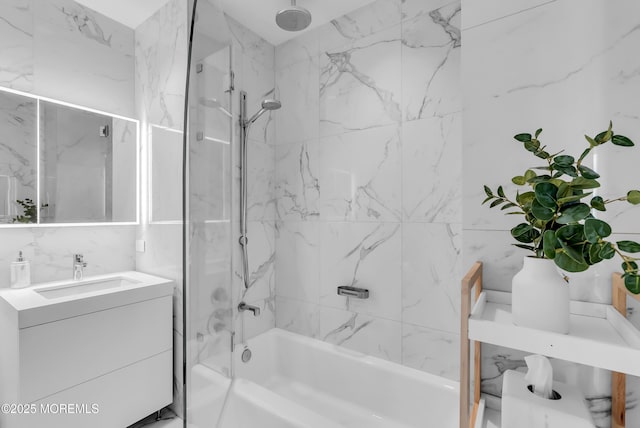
{"points": [[51, 301], [84, 286]]}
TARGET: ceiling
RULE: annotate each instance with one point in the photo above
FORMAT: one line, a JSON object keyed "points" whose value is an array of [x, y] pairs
{"points": [[257, 15]]}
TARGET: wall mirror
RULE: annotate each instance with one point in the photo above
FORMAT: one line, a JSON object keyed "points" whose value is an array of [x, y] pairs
{"points": [[65, 164]]}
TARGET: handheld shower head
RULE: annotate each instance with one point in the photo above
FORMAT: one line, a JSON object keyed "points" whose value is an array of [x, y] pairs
{"points": [[267, 105]]}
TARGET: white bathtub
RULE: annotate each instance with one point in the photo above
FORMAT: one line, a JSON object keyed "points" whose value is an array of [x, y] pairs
{"points": [[293, 381]]}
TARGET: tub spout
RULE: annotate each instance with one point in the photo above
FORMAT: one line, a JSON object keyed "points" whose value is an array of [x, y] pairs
{"points": [[254, 309]]}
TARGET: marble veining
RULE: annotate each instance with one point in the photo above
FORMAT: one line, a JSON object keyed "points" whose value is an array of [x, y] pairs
{"points": [[85, 24], [16, 44], [297, 186], [368, 72], [431, 55]]}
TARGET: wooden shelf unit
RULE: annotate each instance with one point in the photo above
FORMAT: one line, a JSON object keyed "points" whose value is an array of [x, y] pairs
{"points": [[593, 326]]}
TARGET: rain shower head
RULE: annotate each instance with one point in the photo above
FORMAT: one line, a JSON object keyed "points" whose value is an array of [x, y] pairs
{"points": [[293, 18], [267, 104]]}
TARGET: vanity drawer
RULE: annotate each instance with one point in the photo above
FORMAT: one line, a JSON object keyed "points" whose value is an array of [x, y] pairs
{"points": [[61, 354]]}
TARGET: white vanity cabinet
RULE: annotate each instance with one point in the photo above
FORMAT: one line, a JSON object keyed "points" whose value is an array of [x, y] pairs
{"points": [[91, 357]]}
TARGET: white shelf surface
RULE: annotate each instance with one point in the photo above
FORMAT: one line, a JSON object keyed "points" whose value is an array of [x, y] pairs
{"points": [[603, 338]]}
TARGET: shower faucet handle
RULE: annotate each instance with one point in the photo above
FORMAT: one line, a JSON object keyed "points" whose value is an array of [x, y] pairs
{"points": [[253, 309]]}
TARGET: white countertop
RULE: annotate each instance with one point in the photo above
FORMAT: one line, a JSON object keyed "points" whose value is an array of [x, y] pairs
{"points": [[32, 308]]}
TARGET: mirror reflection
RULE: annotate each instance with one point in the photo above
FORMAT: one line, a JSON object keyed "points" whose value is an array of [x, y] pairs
{"points": [[17, 159], [87, 166]]}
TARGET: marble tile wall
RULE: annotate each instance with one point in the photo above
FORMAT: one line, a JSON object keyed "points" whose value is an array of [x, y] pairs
{"points": [[564, 66], [368, 182], [160, 75], [60, 49]]}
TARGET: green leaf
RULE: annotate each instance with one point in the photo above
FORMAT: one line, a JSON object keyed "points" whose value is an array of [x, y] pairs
{"points": [[519, 180], [582, 183], [594, 254], [501, 192], [563, 261], [628, 246], [523, 137], [496, 203], [549, 244], [507, 206], [595, 229], [629, 266], [525, 233], [621, 140], [584, 154], [564, 160], [526, 247], [572, 198], [591, 141], [604, 136], [538, 132], [574, 253], [488, 191], [632, 282], [543, 155], [546, 194], [633, 197], [571, 233], [532, 146], [569, 170], [526, 198], [487, 199], [607, 251], [541, 212], [588, 172], [574, 214], [598, 203], [539, 179]]}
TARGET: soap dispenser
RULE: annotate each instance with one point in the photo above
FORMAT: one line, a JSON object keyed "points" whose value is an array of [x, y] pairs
{"points": [[20, 272]]}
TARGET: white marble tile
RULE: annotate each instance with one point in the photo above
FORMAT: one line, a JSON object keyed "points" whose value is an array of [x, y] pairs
{"points": [[165, 165], [301, 48], [360, 175], [253, 45], [416, 8], [83, 57], [161, 77], [524, 99], [360, 23], [360, 84], [297, 87], [298, 261], [16, 44], [366, 255], [500, 259], [262, 259], [432, 169], [106, 249], [298, 316], [297, 186], [259, 83], [374, 336], [431, 46], [17, 154], [432, 351], [431, 273], [477, 13]]}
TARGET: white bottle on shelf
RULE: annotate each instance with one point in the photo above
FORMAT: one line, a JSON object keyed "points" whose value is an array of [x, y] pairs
{"points": [[20, 272]]}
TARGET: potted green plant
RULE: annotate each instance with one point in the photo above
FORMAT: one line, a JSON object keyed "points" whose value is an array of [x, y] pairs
{"points": [[560, 229]]}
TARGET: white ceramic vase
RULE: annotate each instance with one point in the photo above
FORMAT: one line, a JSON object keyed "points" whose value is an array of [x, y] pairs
{"points": [[540, 297]]}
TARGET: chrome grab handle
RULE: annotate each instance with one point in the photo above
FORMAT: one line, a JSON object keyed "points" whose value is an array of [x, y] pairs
{"points": [[349, 291]]}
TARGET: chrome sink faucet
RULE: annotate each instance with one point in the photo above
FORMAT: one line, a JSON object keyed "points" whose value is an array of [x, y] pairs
{"points": [[78, 265], [254, 309]]}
